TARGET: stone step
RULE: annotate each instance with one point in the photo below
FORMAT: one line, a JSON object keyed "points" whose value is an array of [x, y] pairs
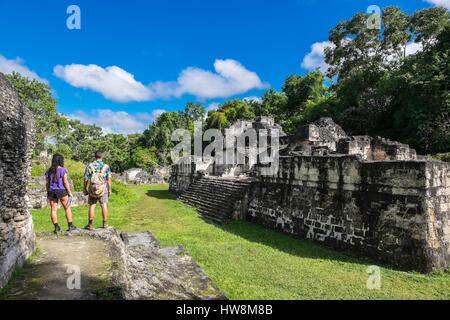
{"points": [[207, 190], [217, 186], [215, 215], [219, 208], [203, 189], [215, 198], [231, 184], [221, 180], [210, 204], [211, 207]]}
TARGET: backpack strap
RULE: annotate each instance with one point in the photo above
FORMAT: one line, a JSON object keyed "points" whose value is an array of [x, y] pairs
{"points": [[91, 169], [104, 169]]}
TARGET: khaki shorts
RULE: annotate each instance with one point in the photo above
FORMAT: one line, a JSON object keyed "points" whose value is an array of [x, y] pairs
{"points": [[103, 199]]}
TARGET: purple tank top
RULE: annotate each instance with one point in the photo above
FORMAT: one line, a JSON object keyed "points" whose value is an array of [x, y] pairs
{"points": [[58, 183]]}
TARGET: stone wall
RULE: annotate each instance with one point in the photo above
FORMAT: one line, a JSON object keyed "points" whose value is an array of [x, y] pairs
{"points": [[17, 239], [394, 211], [37, 194], [139, 176], [183, 175]]}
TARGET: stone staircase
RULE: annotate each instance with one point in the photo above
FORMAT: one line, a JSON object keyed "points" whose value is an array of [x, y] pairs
{"points": [[216, 198]]}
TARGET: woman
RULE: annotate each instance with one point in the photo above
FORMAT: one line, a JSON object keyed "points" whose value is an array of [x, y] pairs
{"points": [[58, 189]]}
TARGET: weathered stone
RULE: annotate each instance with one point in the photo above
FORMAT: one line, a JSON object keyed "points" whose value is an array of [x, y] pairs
{"points": [[17, 239], [145, 271], [139, 176], [368, 195]]}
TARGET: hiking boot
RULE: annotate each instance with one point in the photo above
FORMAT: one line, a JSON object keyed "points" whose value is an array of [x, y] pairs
{"points": [[57, 229], [89, 227], [72, 228]]}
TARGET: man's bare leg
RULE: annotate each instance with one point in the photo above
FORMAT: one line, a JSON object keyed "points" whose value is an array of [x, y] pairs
{"points": [[105, 215], [91, 216]]}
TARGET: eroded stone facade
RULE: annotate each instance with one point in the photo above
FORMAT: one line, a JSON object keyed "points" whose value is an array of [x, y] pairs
{"points": [[396, 212], [17, 239], [372, 196]]}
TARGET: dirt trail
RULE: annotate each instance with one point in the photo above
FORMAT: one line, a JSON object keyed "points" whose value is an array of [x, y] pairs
{"points": [[57, 262]]}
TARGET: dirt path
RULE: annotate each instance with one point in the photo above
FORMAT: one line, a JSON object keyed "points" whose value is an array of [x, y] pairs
{"points": [[52, 274]]}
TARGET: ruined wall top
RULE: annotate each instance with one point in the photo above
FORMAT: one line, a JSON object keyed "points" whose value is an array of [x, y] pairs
{"points": [[325, 137], [324, 129]]}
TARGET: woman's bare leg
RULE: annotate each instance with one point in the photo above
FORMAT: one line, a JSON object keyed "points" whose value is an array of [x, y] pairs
{"points": [[54, 211], [65, 204]]}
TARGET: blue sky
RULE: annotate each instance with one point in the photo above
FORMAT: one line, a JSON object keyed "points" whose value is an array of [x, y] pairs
{"points": [[132, 59]]}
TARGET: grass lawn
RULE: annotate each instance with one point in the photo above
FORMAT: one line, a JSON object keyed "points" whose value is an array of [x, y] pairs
{"points": [[251, 262]]}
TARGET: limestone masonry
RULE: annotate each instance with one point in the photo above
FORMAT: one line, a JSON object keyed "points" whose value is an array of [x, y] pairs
{"points": [[372, 196], [17, 239]]}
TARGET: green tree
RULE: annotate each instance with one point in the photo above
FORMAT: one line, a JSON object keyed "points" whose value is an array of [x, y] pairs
{"points": [[273, 104], [378, 87], [194, 111], [217, 120], [421, 105], [301, 89], [145, 158], [159, 134]]}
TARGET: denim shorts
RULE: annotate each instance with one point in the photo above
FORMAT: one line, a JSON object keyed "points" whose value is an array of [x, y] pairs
{"points": [[57, 194]]}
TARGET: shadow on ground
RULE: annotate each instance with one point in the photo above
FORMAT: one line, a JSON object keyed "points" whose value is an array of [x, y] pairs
{"points": [[278, 240], [161, 194], [290, 244]]}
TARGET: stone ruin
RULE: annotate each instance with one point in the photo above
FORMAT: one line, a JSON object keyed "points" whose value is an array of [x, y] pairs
{"points": [[17, 239], [139, 176], [369, 195]]}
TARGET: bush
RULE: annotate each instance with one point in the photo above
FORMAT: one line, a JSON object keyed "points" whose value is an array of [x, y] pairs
{"points": [[121, 193], [77, 180], [38, 171], [442, 157], [74, 167]]}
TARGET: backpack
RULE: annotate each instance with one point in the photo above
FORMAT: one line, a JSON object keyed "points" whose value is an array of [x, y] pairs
{"points": [[97, 186]]}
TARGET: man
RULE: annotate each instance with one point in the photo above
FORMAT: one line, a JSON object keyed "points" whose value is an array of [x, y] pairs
{"points": [[98, 179]]}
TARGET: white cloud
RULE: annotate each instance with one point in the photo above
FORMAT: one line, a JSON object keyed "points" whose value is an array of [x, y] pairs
{"points": [[253, 99], [440, 3], [157, 113], [316, 57], [413, 47], [230, 78], [212, 107], [7, 66], [113, 82], [116, 121]]}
